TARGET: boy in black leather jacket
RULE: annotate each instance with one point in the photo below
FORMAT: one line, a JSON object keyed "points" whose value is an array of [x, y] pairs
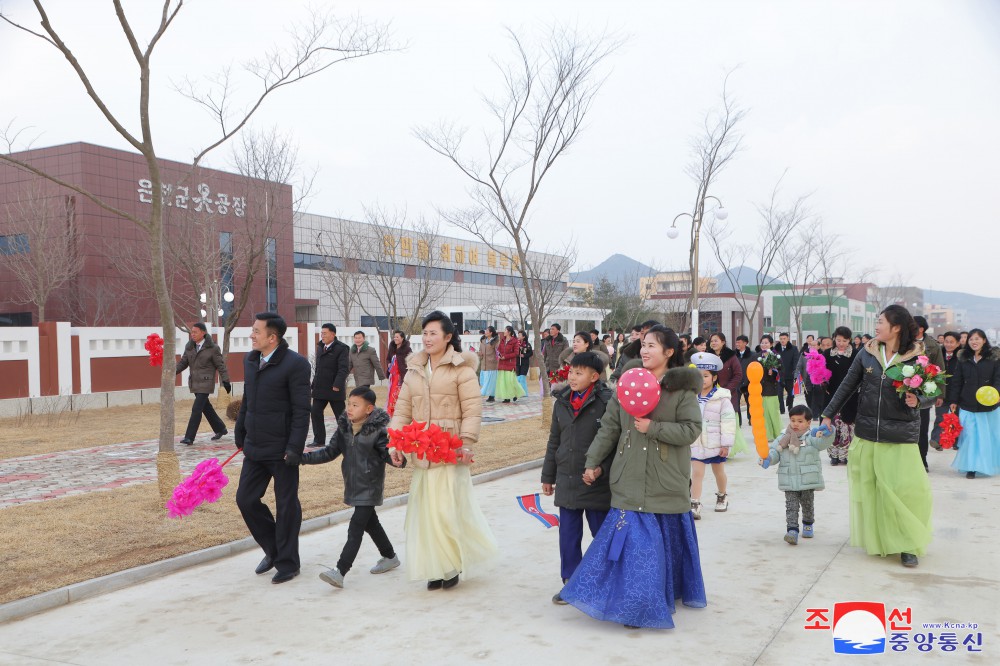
{"points": [[362, 439]]}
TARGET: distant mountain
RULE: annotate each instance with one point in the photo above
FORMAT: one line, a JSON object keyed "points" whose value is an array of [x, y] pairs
{"points": [[617, 268], [745, 276], [981, 311]]}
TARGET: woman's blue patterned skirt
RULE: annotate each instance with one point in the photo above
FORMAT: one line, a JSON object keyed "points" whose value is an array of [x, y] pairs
{"points": [[638, 565]]}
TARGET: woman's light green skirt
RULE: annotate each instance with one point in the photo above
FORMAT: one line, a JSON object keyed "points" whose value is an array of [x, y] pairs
{"points": [[507, 386], [772, 417], [890, 498]]}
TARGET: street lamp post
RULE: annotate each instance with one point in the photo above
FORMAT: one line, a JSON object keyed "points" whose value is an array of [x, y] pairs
{"points": [[721, 213], [211, 304]]}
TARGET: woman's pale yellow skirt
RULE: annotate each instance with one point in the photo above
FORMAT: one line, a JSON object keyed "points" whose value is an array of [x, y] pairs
{"points": [[446, 532]]}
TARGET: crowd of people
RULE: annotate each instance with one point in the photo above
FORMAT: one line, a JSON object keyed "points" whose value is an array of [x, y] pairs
{"points": [[637, 481]]}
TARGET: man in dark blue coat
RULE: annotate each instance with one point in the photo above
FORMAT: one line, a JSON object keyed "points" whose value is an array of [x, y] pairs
{"points": [[271, 430]]}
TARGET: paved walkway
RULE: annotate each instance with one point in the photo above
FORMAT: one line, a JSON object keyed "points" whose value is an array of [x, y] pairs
{"points": [[759, 592], [53, 475]]}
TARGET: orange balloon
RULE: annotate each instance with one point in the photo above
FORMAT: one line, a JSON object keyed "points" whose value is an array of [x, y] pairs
{"points": [[755, 405]]}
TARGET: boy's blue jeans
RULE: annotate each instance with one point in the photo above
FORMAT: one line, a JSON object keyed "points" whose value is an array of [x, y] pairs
{"points": [[571, 536]]}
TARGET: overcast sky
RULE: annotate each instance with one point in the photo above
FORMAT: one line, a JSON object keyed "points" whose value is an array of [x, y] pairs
{"points": [[885, 111]]}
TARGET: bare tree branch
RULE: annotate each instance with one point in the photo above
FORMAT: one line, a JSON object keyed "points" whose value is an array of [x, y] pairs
{"points": [[49, 255], [537, 116]]}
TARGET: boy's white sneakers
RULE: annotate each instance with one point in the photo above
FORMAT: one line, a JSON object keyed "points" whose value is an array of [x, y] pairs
{"points": [[721, 502], [385, 564], [696, 509]]}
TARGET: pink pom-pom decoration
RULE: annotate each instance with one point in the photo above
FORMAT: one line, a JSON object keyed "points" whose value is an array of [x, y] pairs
{"points": [[205, 484], [638, 392], [816, 367]]}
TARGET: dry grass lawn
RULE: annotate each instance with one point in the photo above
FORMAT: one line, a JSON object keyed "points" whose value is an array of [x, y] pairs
{"points": [[56, 543], [65, 431]]}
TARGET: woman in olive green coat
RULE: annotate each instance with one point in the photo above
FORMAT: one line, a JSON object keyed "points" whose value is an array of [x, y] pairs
{"points": [[645, 555]]}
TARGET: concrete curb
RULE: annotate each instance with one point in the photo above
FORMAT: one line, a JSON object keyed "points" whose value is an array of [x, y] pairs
{"points": [[21, 608]]}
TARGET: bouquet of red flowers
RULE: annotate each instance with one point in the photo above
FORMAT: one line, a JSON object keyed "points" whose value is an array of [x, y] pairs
{"points": [[429, 443], [951, 428], [922, 379], [154, 345], [560, 375]]}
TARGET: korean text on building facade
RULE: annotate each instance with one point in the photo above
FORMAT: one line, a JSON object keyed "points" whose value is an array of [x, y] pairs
{"points": [[200, 201]]}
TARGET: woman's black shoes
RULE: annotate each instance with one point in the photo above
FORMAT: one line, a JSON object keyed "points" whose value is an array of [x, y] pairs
{"points": [[970, 475], [908, 559], [434, 584], [450, 583]]}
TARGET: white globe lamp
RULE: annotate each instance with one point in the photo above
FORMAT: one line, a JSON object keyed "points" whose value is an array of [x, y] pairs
{"points": [[672, 232]]}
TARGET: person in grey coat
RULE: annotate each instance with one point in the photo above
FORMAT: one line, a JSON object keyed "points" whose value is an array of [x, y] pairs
{"points": [[204, 358], [362, 440], [364, 362]]}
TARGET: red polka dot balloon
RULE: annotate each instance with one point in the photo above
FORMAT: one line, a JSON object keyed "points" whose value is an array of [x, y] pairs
{"points": [[638, 392]]}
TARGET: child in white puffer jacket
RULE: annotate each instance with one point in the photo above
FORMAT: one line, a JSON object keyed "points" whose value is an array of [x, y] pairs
{"points": [[718, 432]]}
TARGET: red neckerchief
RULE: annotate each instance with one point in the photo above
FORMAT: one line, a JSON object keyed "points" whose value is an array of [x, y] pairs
{"points": [[577, 402]]}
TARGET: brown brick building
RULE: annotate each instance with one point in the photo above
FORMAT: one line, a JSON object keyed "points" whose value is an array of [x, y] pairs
{"points": [[216, 213]]}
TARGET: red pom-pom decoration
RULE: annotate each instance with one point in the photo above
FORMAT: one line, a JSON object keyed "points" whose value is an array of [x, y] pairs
{"points": [[154, 345], [951, 428], [429, 443]]}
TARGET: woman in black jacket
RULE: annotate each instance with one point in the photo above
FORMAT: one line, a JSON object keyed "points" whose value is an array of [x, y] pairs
{"points": [[839, 359], [890, 493], [978, 366], [524, 354]]}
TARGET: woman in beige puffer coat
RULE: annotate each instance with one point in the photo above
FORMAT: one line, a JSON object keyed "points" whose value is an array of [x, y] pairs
{"points": [[446, 532]]}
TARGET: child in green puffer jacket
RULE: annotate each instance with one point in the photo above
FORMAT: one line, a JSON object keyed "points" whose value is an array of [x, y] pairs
{"points": [[800, 472]]}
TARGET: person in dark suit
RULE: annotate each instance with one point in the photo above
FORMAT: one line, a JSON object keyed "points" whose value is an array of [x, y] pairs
{"points": [[932, 350], [271, 430], [329, 386], [789, 360], [746, 355]]}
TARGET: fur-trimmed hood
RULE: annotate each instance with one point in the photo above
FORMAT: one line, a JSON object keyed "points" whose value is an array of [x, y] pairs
{"points": [[378, 419], [682, 379], [726, 353], [872, 347], [966, 354], [452, 357]]}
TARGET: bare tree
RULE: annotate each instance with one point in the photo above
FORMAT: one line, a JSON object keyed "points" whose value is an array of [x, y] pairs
{"points": [[400, 267], [339, 269], [778, 222], [833, 265], [537, 117], [46, 256], [799, 256], [269, 162], [315, 46], [712, 151]]}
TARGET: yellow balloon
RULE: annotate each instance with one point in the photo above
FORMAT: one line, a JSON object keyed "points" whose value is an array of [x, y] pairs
{"points": [[755, 405], [987, 396]]}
